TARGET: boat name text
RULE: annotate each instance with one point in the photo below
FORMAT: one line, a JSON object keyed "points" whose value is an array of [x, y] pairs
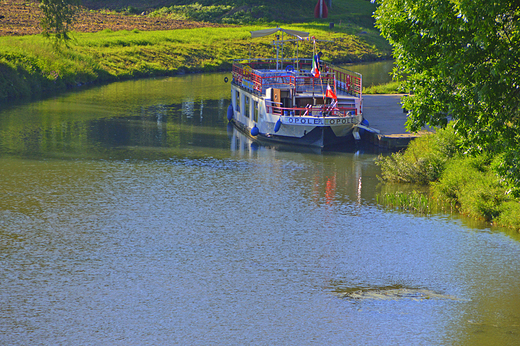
{"points": [[318, 121]]}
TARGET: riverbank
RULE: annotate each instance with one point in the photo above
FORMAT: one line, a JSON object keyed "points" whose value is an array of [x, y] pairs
{"points": [[454, 181], [29, 65], [109, 46]]}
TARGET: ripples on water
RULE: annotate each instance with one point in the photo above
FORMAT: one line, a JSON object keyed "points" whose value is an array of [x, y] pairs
{"points": [[219, 242]]}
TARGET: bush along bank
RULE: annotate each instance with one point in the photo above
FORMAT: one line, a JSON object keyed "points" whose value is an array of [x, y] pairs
{"points": [[467, 184], [29, 65]]}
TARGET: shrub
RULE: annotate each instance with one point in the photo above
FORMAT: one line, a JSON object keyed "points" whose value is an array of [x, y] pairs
{"points": [[510, 215], [472, 187], [132, 10], [194, 11], [423, 161], [470, 184]]}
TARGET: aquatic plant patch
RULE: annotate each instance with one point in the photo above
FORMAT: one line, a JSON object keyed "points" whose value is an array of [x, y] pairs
{"points": [[414, 202], [392, 293]]}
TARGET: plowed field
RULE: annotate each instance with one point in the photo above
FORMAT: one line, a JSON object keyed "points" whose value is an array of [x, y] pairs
{"points": [[22, 17]]}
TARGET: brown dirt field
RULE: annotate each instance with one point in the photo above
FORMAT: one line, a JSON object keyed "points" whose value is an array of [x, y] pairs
{"points": [[22, 17]]}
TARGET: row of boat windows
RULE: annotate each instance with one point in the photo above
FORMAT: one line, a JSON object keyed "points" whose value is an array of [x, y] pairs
{"points": [[242, 100]]}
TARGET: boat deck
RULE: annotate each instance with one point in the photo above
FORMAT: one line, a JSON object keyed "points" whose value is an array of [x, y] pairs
{"points": [[258, 75], [340, 94]]}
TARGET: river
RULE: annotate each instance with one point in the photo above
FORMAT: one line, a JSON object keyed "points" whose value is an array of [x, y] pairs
{"points": [[131, 214], [374, 73]]}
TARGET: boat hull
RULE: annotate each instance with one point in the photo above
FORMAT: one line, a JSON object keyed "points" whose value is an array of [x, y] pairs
{"points": [[319, 137]]}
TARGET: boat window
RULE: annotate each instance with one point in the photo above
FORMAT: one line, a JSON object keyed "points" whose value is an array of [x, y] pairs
{"points": [[255, 115], [237, 101], [247, 106]]}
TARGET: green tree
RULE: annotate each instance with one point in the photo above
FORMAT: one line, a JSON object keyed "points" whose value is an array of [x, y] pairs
{"points": [[461, 59], [58, 18]]}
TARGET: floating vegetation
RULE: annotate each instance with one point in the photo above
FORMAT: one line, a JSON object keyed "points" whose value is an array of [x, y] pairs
{"points": [[392, 293]]}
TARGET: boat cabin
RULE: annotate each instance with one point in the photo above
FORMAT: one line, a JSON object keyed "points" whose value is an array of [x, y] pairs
{"points": [[294, 90]]}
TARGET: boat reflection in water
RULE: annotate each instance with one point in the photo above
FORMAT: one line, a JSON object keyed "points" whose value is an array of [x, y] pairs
{"points": [[246, 146], [332, 170]]}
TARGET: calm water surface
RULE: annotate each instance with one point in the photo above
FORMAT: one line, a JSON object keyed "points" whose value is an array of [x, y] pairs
{"points": [[374, 73], [130, 214]]}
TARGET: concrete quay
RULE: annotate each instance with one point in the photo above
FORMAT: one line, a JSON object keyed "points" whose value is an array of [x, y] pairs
{"points": [[385, 113]]}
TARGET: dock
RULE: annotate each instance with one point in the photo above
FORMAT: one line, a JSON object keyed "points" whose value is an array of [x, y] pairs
{"points": [[385, 113]]}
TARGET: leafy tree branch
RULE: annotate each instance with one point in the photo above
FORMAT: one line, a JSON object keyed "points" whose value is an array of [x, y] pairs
{"points": [[461, 62], [58, 19]]}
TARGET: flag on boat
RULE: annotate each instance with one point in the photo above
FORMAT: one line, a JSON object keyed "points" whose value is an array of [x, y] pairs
{"points": [[316, 66], [330, 93]]}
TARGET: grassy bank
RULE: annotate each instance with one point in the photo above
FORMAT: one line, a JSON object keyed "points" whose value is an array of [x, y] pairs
{"points": [[29, 65], [469, 185], [349, 12], [388, 88]]}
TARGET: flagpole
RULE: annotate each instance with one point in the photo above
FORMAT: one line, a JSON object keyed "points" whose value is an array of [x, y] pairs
{"points": [[313, 62], [335, 92]]}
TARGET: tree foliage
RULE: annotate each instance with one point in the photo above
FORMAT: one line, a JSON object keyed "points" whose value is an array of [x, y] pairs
{"points": [[461, 60], [58, 18]]}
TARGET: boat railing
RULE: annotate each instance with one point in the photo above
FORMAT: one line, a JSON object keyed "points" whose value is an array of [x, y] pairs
{"points": [[259, 75], [346, 81], [310, 110], [309, 83]]}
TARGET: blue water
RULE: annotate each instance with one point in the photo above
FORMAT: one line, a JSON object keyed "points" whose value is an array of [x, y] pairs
{"points": [[130, 214]]}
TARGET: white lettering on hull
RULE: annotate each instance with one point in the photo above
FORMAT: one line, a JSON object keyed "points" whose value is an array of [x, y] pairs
{"points": [[318, 121]]}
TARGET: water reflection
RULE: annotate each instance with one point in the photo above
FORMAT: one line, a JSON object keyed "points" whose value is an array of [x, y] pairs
{"points": [[131, 214], [121, 120], [374, 73], [332, 170]]}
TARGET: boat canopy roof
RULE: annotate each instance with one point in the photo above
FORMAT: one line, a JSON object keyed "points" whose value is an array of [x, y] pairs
{"points": [[266, 32]]}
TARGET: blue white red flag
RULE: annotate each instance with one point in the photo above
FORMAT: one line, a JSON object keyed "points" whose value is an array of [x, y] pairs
{"points": [[315, 66]]}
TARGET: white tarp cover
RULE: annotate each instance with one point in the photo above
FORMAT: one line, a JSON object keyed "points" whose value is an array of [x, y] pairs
{"points": [[266, 32]]}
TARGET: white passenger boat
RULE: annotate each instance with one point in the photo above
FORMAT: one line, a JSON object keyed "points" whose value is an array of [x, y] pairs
{"points": [[296, 101]]}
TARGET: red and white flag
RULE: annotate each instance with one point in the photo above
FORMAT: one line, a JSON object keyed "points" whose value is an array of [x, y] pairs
{"points": [[330, 93]]}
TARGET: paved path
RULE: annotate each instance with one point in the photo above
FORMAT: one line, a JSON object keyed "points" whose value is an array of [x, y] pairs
{"points": [[384, 112]]}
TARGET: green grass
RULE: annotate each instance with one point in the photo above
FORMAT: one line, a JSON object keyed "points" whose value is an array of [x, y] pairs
{"points": [[29, 65], [413, 202], [470, 185], [456, 181], [388, 88], [423, 161]]}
